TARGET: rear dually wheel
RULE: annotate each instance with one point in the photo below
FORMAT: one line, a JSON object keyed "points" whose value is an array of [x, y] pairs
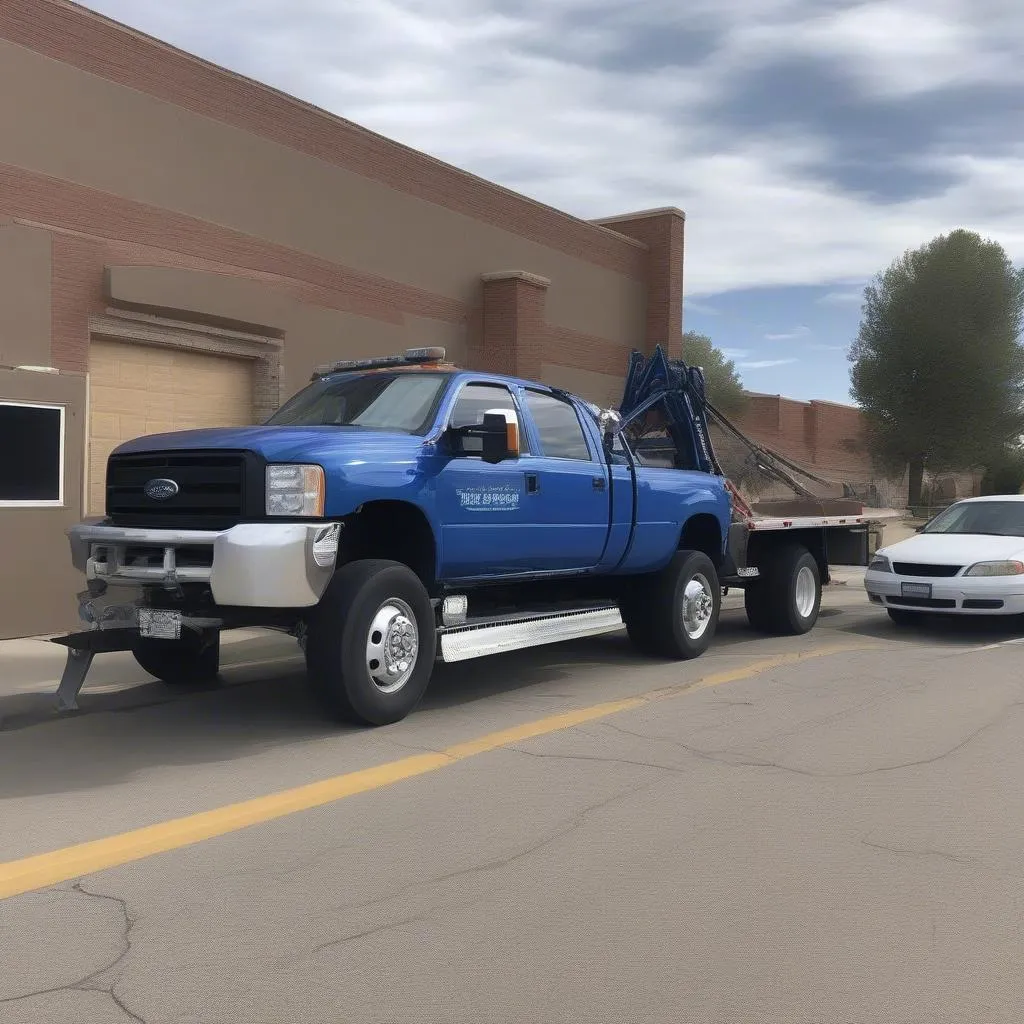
{"points": [[786, 597]]}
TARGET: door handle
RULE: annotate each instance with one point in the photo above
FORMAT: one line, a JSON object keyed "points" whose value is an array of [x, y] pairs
{"points": [[598, 483], [532, 483]]}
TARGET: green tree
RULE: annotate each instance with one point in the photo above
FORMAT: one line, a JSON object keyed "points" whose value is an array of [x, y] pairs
{"points": [[725, 390], [938, 366], [1005, 475]]}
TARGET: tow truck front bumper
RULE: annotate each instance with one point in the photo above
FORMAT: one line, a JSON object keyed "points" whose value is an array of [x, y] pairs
{"points": [[252, 565]]}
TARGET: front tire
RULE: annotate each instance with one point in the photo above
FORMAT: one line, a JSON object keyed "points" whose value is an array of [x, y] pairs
{"points": [[192, 659], [371, 643], [674, 613], [901, 618]]}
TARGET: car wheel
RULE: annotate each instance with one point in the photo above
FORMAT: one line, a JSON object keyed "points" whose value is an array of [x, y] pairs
{"points": [[786, 599], [371, 643], [674, 613], [902, 618], [758, 608]]}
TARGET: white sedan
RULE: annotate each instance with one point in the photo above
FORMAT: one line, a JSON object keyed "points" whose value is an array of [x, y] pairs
{"points": [[968, 560]]}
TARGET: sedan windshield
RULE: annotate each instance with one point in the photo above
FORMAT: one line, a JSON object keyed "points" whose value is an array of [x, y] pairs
{"points": [[393, 402], [998, 518]]}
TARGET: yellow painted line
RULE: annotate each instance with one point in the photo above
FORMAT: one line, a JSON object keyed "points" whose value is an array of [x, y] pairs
{"points": [[41, 870]]}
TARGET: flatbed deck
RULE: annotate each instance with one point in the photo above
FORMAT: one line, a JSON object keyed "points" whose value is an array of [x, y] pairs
{"points": [[764, 523]]}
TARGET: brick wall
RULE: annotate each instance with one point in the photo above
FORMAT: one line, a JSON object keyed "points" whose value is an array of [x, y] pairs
{"points": [[824, 436], [828, 439]]}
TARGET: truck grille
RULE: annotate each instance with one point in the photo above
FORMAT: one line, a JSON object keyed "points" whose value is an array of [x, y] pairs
{"points": [[216, 489], [923, 569]]}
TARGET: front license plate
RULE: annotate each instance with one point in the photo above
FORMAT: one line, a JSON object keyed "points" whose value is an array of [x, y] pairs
{"points": [[158, 624], [916, 590]]}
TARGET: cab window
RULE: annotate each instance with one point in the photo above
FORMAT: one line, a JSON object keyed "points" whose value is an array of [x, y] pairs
{"points": [[558, 427]]}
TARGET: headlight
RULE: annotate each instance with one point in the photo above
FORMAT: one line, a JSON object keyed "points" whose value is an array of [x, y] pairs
{"points": [[996, 569], [880, 564], [295, 491]]}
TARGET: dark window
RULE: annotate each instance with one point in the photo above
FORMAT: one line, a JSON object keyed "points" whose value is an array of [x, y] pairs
{"points": [[31, 453], [476, 399], [561, 435]]}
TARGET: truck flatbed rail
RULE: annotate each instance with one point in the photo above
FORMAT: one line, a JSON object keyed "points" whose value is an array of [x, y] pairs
{"points": [[764, 523]]}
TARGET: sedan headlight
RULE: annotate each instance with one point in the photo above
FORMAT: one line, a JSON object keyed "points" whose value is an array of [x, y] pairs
{"points": [[880, 564], [295, 490], [1009, 568]]}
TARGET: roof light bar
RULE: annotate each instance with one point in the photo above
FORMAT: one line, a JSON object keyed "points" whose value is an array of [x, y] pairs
{"points": [[411, 357]]}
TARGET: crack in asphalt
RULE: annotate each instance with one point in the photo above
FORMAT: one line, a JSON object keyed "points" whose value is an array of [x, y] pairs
{"points": [[495, 864], [597, 757], [908, 851], [738, 759], [84, 984], [375, 930]]}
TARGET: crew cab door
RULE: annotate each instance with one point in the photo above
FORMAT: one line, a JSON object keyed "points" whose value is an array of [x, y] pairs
{"points": [[486, 530], [567, 487]]}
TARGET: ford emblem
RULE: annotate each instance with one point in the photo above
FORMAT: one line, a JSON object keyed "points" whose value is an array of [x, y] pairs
{"points": [[160, 490]]}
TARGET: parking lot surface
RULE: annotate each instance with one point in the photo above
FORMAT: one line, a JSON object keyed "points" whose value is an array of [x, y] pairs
{"points": [[819, 829]]}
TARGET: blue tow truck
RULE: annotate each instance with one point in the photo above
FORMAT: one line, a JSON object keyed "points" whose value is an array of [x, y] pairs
{"points": [[400, 511]]}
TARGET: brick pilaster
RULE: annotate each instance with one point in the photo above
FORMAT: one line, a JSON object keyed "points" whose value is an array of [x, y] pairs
{"points": [[514, 325], [662, 232]]}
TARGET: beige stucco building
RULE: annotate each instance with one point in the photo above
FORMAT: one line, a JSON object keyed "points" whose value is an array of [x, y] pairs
{"points": [[179, 246]]}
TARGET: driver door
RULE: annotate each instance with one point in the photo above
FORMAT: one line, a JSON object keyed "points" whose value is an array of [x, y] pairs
{"points": [[485, 520]]}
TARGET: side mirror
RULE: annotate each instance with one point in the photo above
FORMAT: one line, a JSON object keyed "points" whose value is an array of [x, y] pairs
{"points": [[495, 440]]}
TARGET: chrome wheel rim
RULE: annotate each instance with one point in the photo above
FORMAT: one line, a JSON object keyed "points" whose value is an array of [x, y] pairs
{"points": [[805, 592], [392, 646], [698, 606]]}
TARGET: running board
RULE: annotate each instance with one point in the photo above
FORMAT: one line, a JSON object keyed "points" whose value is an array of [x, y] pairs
{"points": [[460, 643]]}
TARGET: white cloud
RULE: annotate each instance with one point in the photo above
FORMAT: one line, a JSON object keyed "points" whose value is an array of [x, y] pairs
{"points": [[504, 96], [793, 335], [735, 353], [763, 364], [853, 297]]}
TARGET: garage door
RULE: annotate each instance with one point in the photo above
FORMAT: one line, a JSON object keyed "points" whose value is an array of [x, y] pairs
{"points": [[143, 389]]}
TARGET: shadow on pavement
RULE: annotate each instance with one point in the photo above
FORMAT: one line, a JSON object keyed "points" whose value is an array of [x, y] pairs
{"points": [[944, 631], [255, 707], [259, 707]]}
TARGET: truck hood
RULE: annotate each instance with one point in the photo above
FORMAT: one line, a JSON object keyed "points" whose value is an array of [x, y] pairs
{"points": [[285, 444], [955, 548]]}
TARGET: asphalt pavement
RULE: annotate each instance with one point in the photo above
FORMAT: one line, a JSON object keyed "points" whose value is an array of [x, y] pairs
{"points": [[815, 829]]}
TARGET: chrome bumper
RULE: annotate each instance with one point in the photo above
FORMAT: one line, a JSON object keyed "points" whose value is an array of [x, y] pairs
{"points": [[252, 565]]}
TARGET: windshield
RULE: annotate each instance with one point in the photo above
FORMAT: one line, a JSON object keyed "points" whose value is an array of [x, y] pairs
{"points": [[999, 518], [394, 402]]}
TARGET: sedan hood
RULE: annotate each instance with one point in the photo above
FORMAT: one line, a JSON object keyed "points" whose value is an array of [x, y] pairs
{"points": [[284, 444], [955, 549]]}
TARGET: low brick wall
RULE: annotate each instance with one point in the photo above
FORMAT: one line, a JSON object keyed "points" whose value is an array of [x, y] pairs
{"points": [[828, 439]]}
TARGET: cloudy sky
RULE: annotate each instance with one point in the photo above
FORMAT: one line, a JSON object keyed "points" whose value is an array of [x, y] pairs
{"points": [[809, 141]]}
